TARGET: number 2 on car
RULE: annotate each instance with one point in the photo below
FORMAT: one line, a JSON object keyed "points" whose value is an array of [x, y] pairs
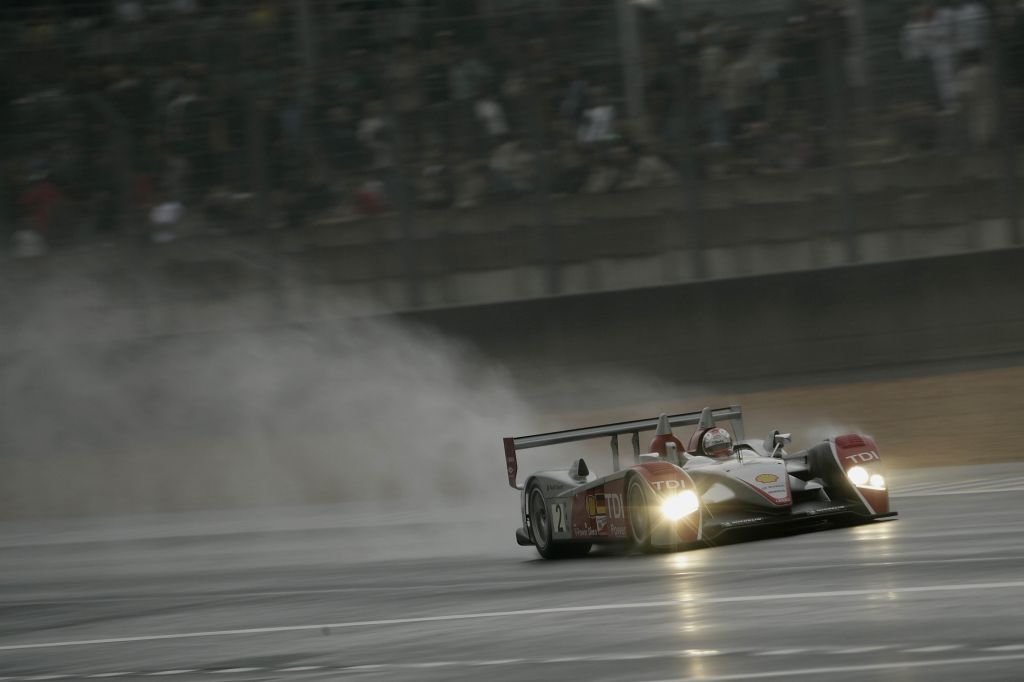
{"points": [[558, 512]]}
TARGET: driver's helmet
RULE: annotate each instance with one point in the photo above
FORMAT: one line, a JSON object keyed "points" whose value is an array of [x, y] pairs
{"points": [[717, 442]]}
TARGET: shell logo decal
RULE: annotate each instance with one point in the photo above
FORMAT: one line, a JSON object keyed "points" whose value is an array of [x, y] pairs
{"points": [[766, 478]]}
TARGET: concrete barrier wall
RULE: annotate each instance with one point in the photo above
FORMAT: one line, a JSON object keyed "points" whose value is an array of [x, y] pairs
{"points": [[827, 320]]}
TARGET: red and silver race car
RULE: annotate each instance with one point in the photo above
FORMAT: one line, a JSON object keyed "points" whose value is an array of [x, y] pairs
{"points": [[675, 497]]}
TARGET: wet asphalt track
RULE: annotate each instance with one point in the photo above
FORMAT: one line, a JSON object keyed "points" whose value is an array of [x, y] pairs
{"points": [[935, 595]]}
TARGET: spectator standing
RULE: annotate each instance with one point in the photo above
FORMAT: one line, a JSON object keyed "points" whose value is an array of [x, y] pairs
{"points": [[661, 72], [291, 113], [801, 63], [405, 84], [541, 87], [376, 134], [931, 34], [164, 219], [574, 99], [940, 46], [741, 79], [975, 89], [711, 74], [433, 181], [514, 92], [187, 133], [491, 116], [345, 151], [598, 121], [468, 77], [914, 44], [767, 72], [977, 98], [971, 30], [434, 71], [511, 168], [376, 137]]}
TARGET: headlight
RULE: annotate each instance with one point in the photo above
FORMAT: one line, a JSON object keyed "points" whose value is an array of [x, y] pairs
{"points": [[679, 505], [860, 477]]}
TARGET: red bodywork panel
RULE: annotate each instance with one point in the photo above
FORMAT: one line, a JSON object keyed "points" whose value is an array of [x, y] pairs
{"points": [[852, 450], [600, 512]]}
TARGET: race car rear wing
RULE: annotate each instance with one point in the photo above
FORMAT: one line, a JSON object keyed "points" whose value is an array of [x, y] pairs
{"points": [[731, 413]]}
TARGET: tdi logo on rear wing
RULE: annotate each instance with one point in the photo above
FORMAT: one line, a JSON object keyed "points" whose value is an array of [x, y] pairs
{"points": [[862, 457]]}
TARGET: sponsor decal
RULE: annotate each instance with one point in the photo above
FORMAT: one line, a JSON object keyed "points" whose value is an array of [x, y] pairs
{"points": [[605, 504], [613, 503], [862, 457], [828, 510], [777, 493], [766, 478], [662, 486], [602, 524], [584, 532], [743, 522]]}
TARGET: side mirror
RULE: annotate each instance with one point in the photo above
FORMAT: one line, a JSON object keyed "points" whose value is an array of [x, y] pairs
{"points": [[672, 454], [776, 440]]}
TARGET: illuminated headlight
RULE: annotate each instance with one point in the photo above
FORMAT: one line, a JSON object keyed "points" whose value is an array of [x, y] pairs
{"points": [[860, 477], [679, 505]]}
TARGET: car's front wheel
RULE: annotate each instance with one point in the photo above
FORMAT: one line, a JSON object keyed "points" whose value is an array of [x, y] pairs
{"points": [[638, 515]]}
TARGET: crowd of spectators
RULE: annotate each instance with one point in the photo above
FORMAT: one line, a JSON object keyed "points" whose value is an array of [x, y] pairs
{"points": [[149, 118], [949, 44]]}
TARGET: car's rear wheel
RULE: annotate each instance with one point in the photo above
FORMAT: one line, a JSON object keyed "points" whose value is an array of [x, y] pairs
{"points": [[541, 529], [638, 512]]}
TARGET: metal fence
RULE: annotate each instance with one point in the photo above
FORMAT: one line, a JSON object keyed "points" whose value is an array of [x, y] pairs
{"points": [[157, 121]]}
